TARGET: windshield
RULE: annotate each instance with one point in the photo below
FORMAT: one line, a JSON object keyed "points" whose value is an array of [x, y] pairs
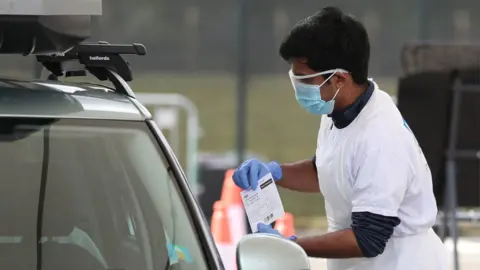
{"points": [[90, 194]]}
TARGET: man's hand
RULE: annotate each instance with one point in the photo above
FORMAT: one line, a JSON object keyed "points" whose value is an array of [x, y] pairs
{"points": [[247, 175], [263, 228], [300, 176]]}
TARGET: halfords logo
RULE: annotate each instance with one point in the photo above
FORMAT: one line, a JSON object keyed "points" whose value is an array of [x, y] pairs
{"points": [[99, 58]]}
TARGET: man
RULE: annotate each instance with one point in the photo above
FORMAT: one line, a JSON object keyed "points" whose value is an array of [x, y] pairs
{"points": [[368, 165]]}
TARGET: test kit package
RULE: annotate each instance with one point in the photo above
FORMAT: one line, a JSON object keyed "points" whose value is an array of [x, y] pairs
{"points": [[263, 205]]}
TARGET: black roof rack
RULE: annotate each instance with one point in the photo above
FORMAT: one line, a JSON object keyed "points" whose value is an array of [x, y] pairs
{"points": [[101, 59]]}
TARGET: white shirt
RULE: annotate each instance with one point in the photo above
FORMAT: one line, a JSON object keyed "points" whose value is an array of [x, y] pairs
{"points": [[376, 165]]}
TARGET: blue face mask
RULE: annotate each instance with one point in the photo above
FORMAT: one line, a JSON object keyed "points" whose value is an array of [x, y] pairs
{"points": [[308, 95]]}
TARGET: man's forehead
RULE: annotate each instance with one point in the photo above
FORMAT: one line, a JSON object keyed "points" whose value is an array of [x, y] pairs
{"points": [[299, 67]]}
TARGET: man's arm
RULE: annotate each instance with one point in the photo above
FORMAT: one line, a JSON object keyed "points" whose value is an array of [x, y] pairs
{"points": [[300, 176], [367, 237], [336, 245]]}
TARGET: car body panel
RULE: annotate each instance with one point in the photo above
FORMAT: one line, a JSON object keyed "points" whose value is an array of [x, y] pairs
{"points": [[66, 100]]}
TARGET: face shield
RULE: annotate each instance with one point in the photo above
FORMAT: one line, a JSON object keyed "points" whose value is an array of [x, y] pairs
{"points": [[309, 95]]}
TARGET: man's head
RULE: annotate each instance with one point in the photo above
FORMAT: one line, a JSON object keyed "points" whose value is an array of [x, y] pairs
{"points": [[329, 40]]}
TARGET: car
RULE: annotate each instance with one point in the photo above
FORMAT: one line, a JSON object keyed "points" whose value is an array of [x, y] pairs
{"points": [[90, 182]]}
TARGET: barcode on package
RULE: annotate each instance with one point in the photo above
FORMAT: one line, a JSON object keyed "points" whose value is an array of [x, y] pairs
{"points": [[268, 219]]}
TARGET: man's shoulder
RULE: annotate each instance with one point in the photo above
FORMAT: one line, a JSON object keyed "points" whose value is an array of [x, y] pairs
{"points": [[381, 112], [386, 129], [378, 134]]}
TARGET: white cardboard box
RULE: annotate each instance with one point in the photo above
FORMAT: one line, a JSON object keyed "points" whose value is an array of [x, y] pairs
{"points": [[50, 7]]}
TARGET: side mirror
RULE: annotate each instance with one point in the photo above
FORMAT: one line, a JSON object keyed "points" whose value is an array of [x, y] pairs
{"points": [[265, 251]]}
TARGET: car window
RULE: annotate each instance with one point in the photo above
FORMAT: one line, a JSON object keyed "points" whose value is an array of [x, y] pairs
{"points": [[90, 194]]}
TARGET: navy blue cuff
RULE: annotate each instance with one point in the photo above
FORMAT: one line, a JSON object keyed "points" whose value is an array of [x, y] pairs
{"points": [[372, 232]]}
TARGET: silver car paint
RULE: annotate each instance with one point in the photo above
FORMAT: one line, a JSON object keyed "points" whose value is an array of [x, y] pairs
{"points": [[67, 100]]}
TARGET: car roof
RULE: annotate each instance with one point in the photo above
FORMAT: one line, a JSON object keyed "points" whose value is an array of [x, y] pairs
{"points": [[66, 100]]}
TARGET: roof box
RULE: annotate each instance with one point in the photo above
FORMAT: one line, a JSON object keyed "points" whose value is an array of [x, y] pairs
{"points": [[45, 26], [51, 7]]}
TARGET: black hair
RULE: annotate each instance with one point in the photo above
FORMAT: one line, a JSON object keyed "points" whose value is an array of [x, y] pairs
{"points": [[330, 39]]}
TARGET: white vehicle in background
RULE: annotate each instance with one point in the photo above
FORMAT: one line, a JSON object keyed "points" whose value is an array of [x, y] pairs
{"points": [[88, 180]]}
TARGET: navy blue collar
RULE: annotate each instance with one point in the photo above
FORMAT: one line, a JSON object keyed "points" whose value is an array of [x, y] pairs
{"points": [[343, 118]]}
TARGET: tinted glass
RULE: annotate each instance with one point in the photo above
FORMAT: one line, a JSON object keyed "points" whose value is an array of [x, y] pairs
{"points": [[90, 194]]}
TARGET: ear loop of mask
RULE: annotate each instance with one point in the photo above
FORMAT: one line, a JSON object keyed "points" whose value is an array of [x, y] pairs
{"points": [[336, 93], [325, 81]]}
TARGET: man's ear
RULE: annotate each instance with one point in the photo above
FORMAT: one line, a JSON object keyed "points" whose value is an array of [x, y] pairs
{"points": [[340, 80]]}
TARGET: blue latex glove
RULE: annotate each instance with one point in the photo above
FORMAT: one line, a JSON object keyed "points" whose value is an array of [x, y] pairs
{"points": [[247, 175], [263, 228]]}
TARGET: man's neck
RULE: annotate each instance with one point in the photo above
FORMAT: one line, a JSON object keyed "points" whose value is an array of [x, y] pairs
{"points": [[343, 117], [349, 97]]}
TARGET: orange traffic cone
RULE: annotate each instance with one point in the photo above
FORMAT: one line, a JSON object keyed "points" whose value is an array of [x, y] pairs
{"points": [[285, 225], [233, 201], [220, 227]]}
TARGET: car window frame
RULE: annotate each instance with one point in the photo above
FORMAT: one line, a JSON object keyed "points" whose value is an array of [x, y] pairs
{"points": [[207, 243]]}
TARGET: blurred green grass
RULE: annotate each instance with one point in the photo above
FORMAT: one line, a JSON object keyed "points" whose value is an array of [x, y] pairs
{"points": [[276, 126]]}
